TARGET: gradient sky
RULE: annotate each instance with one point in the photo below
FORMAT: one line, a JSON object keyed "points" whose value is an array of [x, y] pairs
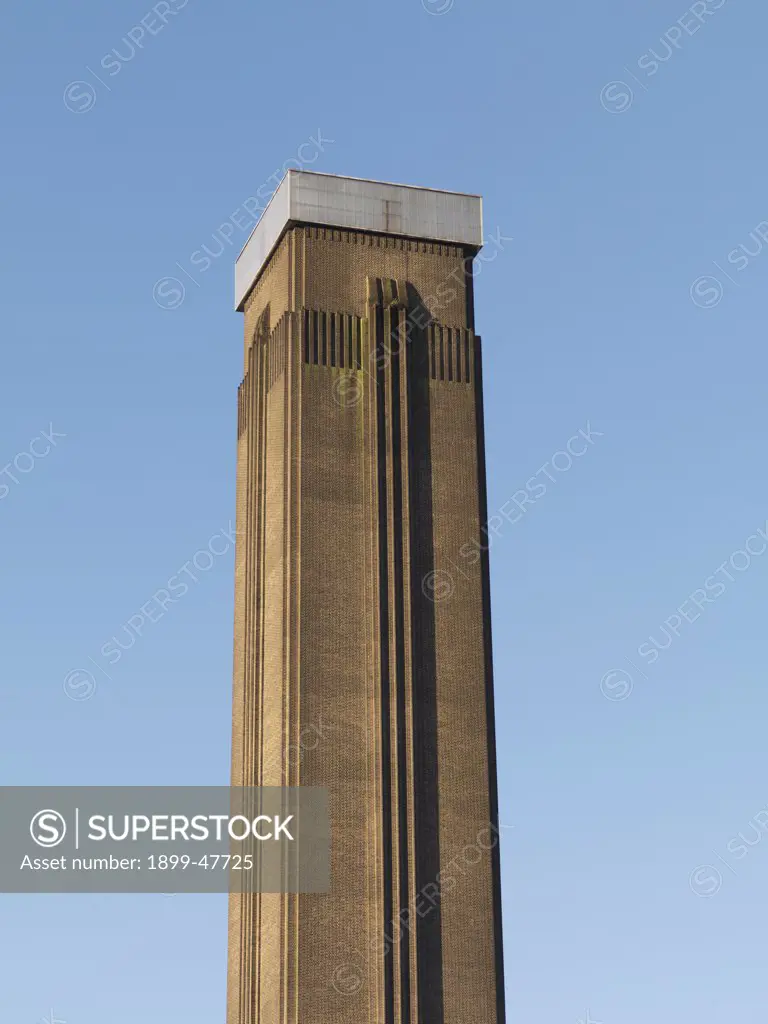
{"points": [[621, 153]]}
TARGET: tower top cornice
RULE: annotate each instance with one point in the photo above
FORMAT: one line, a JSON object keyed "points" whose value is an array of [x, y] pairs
{"points": [[357, 204]]}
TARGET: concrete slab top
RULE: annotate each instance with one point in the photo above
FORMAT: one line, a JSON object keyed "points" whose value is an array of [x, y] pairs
{"points": [[310, 197]]}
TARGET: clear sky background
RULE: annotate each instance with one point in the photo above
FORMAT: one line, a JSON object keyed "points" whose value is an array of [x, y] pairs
{"points": [[612, 200]]}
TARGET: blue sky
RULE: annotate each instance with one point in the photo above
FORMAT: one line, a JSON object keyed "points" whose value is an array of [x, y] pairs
{"points": [[621, 153]]}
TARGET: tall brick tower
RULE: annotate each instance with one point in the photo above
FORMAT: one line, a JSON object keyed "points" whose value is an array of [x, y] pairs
{"points": [[362, 633]]}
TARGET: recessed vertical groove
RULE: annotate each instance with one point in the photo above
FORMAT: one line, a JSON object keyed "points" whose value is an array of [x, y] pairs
{"points": [[390, 982], [426, 809], [405, 524], [260, 541], [397, 666]]}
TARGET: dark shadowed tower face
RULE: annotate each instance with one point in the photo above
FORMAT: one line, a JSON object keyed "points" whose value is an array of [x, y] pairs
{"points": [[362, 632]]}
